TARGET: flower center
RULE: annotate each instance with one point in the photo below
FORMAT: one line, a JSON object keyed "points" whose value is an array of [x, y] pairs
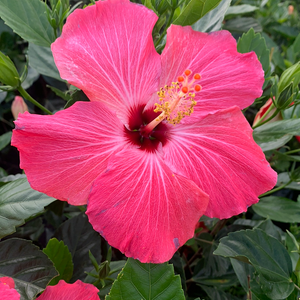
{"points": [[176, 100], [145, 127], [134, 132]]}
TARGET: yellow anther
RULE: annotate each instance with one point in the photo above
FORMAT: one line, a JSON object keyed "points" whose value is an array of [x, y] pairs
{"points": [[177, 99]]}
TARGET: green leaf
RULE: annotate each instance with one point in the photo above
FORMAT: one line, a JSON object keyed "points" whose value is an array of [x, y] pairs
{"points": [[283, 157], [242, 24], [241, 9], [278, 209], [4, 27], [266, 254], [23, 261], [212, 21], [195, 10], [32, 76], [139, 281], [213, 268], [41, 59], [276, 51], [283, 178], [216, 294], [29, 20], [273, 135], [61, 257], [150, 5], [293, 51], [32, 230], [268, 227], [292, 112], [259, 290], [3, 173], [77, 95], [178, 265], [291, 74], [9, 178], [8, 73], [2, 95], [27, 290], [243, 272], [18, 201], [80, 237], [273, 290], [5, 139], [224, 281], [286, 31], [252, 41], [274, 143], [293, 248]]}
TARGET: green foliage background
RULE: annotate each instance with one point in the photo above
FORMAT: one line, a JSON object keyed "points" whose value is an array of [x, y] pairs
{"points": [[251, 256]]}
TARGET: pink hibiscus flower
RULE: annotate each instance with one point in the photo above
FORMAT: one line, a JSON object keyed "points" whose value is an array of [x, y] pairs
{"points": [[62, 291], [147, 181]]}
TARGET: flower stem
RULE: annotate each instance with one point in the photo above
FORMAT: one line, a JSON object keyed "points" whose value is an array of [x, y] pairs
{"points": [[204, 241], [275, 190], [292, 151], [29, 98], [297, 287]]}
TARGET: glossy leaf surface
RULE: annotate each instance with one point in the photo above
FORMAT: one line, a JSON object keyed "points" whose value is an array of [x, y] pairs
{"points": [[266, 254], [278, 209], [41, 59], [146, 281], [28, 19], [30, 268], [18, 201], [61, 257], [78, 234], [274, 135], [195, 10], [212, 21]]}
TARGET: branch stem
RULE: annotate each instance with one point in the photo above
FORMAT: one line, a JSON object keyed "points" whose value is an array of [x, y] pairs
{"points": [[30, 99], [276, 190]]}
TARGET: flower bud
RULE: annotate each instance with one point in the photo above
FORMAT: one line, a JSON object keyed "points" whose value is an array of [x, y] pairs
{"points": [[292, 74], [263, 110], [8, 72], [285, 98], [18, 106], [104, 270], [291, 9]]}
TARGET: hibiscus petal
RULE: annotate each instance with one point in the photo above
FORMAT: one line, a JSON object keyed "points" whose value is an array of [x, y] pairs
{"points": [[107, 51], [7, 291], [62, 154], [228, 77], [219, 154], [8, 280], [142, 208], [75, 291]]}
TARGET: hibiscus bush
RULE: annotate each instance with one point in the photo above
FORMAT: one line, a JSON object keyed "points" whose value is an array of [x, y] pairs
{"points": [[149, 149]]}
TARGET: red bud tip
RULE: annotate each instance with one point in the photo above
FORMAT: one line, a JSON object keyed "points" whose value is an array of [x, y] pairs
{"points": [[187, 72], [180, 79], [185, 89], [198, 88], [197, 76]]}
